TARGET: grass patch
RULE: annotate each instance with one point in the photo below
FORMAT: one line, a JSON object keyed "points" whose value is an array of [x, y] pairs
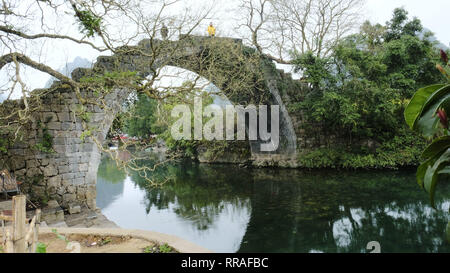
{"points": [[165, 248]]}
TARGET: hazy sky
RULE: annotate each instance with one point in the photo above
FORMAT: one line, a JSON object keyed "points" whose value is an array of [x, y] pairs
{"points": [[433, 14]]}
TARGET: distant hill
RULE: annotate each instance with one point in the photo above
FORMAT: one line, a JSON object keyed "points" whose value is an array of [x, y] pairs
{"points": [[69, 67], [66, 70]]}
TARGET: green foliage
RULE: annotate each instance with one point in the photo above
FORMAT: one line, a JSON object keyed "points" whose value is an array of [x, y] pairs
{"points": [[85, 116], [165, 248], [239, 150], [399, 25], [148, 249], [46, 146], [59, 236], [108, 80], [427, 114], [401, 151], [143, 120], [417, 104], [85, 134], [316, 70], [3, 145], [424, 120], [361, 89], [117, 126], [89, 22], [109, 77], [41, 248], [109, 171], [410, 64], [8, 134], [149, 116], [105, 241], [186, 148]]}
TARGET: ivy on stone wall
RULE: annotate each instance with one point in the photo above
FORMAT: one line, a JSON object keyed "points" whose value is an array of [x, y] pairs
{"points": [[46, 145], [3, 145]]}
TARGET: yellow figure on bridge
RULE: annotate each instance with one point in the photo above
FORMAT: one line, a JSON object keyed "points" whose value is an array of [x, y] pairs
{"points": [[211, 30]]}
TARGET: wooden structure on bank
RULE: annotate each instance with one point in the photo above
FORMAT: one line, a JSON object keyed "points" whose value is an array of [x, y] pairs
{"points": [[22, 236], [8, 183]]}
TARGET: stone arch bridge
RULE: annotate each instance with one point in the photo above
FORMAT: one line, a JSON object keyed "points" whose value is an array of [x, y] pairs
{"points": [[69, 174]]}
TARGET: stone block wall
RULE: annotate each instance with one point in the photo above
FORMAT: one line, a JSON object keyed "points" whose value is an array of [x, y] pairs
{"points": [[68, 174]]}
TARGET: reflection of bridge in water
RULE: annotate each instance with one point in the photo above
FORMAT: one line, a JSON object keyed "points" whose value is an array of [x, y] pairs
{"points": [[292, 211], [243, 75]]}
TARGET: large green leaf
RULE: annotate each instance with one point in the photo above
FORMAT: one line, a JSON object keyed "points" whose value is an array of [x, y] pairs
{"points": [[438, 146], [432, 174], [427, 123], [438, 95], [422, 169], [445, 170], [417, 103]]}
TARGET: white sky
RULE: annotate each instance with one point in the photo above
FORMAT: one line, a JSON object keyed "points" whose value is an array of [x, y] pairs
{"points": [[432, 13]]}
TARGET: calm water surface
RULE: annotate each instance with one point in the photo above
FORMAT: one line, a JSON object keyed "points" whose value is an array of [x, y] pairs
{"points": [[230, 209]]}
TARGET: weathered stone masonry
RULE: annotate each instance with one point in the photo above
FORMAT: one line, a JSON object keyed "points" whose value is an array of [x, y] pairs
{"points": [[69, 174]]}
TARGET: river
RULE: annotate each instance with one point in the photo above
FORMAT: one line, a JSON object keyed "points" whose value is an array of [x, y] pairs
{"points": [[226, 208]]}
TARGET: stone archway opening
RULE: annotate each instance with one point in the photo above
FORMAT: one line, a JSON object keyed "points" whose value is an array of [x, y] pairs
{"points": [[185, 86], [68, 173]]}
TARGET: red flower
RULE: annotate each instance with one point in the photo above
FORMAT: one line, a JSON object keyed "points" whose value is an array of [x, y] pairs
{"points": [[443, 118], [444, 56]]}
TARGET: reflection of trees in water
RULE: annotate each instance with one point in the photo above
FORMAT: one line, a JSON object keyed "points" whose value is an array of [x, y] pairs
{"points": [[198, 193], [109, 171], [109, 182], [412, 230], [320, 212], [295, 211]]}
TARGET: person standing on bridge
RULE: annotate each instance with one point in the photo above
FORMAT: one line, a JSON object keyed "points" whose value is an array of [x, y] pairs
{"points": [[211, 30], [164, 32]]}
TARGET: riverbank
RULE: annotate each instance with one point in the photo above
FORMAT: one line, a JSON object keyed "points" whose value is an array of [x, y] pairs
{"points": [[403, 151], [319, 159], [97, 234], [227, 208], [395, 154], [142, 238]]}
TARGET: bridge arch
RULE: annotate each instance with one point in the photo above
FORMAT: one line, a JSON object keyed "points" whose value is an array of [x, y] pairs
{"points": [[69, 174]]}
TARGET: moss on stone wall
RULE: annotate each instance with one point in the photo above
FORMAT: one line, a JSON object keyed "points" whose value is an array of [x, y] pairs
{"points": [[234, 152]]}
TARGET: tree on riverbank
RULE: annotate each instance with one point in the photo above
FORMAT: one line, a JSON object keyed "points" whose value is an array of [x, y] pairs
{"points": [[359, 92], [284, 28], [92, 25], [110, 28], [359, 84]]}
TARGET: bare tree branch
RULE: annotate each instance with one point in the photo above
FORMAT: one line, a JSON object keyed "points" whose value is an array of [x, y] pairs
{"points": [[46, 35]]}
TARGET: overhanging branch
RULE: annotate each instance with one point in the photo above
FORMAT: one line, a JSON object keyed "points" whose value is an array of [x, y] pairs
{"points": [[20, 58], [46, 35]]}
